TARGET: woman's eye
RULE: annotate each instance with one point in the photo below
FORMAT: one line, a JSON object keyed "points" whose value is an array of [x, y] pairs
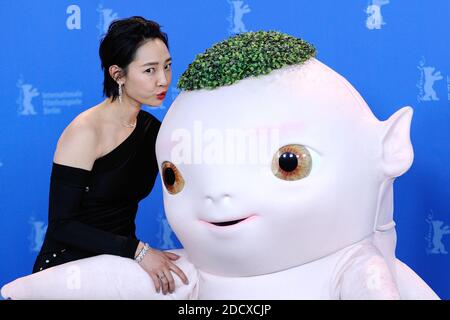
{"points": [[173, 181], [292, 162], [169, 66], [150, 70]]}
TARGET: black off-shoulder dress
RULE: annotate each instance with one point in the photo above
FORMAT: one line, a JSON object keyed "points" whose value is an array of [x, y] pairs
{"points": [[93, 212]]}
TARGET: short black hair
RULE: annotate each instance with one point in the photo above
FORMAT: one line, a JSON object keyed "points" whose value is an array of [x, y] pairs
{"points": [[119, 46]]}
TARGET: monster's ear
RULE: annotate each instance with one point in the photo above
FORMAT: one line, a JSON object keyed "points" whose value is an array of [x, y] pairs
{"points": [[398, 152]]}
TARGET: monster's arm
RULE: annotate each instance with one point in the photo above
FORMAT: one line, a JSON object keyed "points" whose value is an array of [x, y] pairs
{"points": [[366, 276], [99, 277]]}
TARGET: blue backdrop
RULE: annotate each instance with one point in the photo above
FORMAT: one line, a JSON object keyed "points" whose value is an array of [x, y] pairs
{"points": [[394, 52]]}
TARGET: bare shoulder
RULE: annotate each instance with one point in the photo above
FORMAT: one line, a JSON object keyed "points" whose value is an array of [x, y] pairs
{"points": [[78, 145]]}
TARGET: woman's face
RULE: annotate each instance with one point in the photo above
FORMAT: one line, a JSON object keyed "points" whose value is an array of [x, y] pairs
{"points": [[149, 74]]}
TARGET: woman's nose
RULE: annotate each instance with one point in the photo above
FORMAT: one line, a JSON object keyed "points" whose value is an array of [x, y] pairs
{"points": [[162, 80]]}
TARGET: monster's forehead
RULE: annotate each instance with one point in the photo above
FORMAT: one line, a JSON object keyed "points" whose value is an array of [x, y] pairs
{"points": [[249, 54], [309, 99]]}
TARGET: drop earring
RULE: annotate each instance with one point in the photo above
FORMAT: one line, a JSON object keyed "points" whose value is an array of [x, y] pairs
{"points": [[120, 92]]}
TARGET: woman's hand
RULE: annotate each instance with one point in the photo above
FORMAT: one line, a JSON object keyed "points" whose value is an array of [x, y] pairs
{"points": [[158, 265]]}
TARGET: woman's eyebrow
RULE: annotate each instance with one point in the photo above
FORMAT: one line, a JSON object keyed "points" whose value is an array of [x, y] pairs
{"points": [[155, 63]]}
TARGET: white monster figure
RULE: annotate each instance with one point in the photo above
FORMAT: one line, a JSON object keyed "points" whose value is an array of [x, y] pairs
{"points": [[305, 213]]}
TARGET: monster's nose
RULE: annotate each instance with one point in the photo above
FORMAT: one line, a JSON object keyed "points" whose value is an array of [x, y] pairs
{"points": [[217, 197]]}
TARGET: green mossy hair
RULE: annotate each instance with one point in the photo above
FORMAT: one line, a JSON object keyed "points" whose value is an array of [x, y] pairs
{"points": [[242, 56]]}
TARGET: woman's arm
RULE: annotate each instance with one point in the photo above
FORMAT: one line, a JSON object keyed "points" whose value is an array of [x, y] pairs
{"points": [[67, 189]]}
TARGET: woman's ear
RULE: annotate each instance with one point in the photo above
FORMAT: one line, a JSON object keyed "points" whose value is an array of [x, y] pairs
{"points": [[397, 150], [116, 73]]}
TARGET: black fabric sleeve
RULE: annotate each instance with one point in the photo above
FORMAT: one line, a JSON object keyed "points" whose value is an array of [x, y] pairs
{"points": [[67, 187]]}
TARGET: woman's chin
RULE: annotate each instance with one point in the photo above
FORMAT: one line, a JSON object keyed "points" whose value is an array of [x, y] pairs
{"points": [[153, 103]]}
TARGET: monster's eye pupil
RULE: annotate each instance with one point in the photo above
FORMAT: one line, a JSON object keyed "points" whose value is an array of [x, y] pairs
{"points": [[288, 161], [169, 176]]}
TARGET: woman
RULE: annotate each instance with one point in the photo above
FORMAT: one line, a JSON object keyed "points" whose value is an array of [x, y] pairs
{"points": [[105, 163]]}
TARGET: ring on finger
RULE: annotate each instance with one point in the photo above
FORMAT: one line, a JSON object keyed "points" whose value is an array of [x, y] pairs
{"points": [[161, 276]]}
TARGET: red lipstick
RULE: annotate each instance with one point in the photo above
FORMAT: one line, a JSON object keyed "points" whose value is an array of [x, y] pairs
{"points": [[161, 95]]}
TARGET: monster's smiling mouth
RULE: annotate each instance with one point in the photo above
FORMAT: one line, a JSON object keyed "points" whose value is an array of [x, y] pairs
{"points": [[229, 222]]}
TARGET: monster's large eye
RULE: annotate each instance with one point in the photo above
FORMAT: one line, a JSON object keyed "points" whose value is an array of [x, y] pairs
{"points": [[292, 162], [172, 178]]}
